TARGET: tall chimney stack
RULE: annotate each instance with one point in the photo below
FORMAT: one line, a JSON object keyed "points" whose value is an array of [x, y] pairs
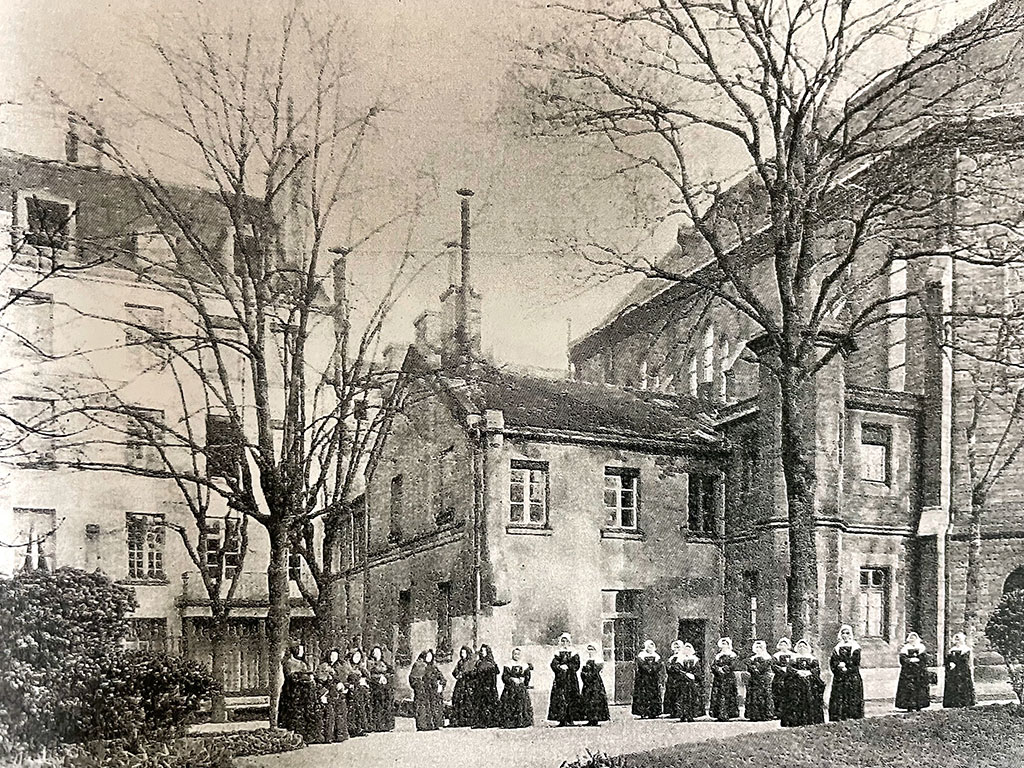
{"points": [[466, 289]]}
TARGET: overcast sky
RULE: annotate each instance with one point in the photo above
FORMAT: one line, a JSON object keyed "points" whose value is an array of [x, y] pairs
{"points": [[449, 59]]}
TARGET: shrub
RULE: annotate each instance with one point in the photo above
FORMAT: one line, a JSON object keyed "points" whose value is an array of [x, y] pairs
{"points": [[1005, 631], [57, 628], [179, 753], [596, 760], [264, 741], [143, 695], [64, 677]]}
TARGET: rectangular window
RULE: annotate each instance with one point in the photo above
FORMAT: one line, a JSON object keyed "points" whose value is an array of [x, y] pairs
{"points": [[397, 503], [146, 635], [223, 546], [29, 321], [444, 621], [403, 652], [35, 533], [702, 504], [621, 624], [145, 546], [48, 223], [528, 493], [875, 447], [622, 496], [446, 490], [874, 602], [145, 435], [223, 447], [144, 332], [358, 536]]}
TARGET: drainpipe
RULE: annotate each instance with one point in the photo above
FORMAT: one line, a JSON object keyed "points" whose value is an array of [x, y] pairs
{"points": [[477, 455]]}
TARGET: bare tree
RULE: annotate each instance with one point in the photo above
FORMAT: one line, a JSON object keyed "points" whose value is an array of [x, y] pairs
{"points": [[845, 133], [279, 124]]}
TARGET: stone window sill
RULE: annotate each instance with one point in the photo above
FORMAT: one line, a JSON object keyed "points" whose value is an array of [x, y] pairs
{"points": [[527, 530], [628, 534], [155, 582]]}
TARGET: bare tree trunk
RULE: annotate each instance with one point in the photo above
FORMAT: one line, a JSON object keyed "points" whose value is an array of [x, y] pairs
{"points": [[972, 589], [218, 641], [278, 612], [798, 450], [330, 625]]}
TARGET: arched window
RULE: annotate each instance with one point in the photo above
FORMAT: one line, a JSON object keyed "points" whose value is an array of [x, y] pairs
{"points": [[1014, 581]]}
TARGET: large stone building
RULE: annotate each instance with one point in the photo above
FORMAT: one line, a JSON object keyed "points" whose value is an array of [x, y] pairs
{"points": [[507, 508], [88, 328], [906, 424]]}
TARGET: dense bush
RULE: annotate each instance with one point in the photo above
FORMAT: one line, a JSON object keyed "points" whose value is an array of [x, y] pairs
{"points": [[57, 629], [265, 741], [64, 676], [1005, 631], [178, 753], [596, 760], [143, 695]]}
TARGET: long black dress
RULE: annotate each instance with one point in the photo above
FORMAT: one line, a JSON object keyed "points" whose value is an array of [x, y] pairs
{"points": [[958, 690], [690, 700], [564, 705], [780, 663], [358, 699], [297, 710], [846, 701], [725, 703], [673, 673], [647, 686], [594, 698], [802, 692], [462, 693], [381, 713], [427, 684], [912, 691], [758, 705], [485, 693], [331, 685], [515, 710]]}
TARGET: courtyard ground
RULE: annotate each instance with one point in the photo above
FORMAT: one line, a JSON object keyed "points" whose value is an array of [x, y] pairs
{"points": [[541, 746]]}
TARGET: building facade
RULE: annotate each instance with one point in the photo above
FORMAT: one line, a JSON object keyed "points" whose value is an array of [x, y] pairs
{"points": [[86, 329], [505, 509]]}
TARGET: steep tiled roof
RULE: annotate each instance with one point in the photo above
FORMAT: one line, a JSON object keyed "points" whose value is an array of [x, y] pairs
{"points": [[569, 406]]}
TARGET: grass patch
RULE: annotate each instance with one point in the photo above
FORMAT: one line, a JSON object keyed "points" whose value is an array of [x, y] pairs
{"points": [[983, 737]]}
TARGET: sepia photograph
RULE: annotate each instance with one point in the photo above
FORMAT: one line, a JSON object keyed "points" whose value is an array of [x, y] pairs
{"points": [[531, 383]]}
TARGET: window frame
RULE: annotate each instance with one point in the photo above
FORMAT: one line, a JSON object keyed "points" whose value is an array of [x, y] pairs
{"points": [[443, 642], [219, 533], [879, 436], [529, 466], [156, 634], [41, 548], [229, 452], [151, 553], [864, 592], [620, 620], [29, 236], [445, 513], [708, 514], [614, 519]]}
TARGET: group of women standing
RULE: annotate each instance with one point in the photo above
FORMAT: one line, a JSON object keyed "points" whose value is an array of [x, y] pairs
{"points": [[788, 685], [475, 699], [340, 697], [348, 695]]}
